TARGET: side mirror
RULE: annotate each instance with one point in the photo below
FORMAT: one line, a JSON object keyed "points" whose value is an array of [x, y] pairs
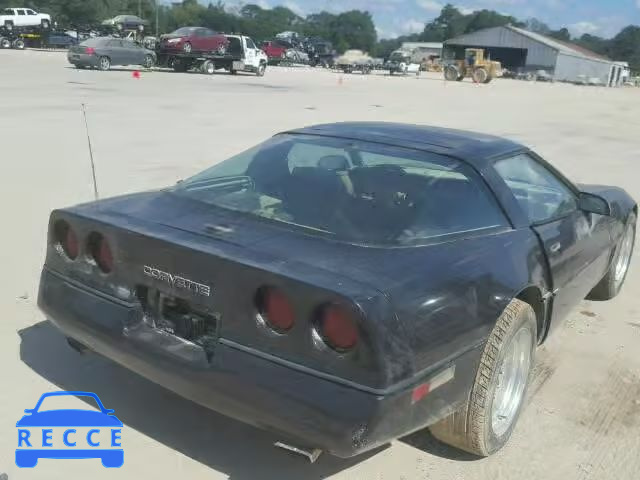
{"points": [[591, 203]]}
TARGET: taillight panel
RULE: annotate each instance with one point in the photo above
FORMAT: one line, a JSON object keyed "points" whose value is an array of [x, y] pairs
{"points": [[337, 327], [99, 251], [274, 309], [66, 240]]}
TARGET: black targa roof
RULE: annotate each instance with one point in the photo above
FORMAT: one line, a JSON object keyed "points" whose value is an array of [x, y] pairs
{"points": [[476, 148]]}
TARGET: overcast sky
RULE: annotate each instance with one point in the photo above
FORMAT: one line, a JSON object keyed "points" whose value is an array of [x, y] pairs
{"points": [[397, 17]]}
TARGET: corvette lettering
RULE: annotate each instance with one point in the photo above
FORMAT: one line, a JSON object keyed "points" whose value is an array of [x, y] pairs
{"points": [[177, 282]]}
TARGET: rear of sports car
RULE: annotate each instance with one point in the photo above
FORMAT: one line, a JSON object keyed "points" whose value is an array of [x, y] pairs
{"points": [[289, 345]]}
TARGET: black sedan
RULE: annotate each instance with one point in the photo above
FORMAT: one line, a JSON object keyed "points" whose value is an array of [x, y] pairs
{"points": [[105, 52], [344, 284]]}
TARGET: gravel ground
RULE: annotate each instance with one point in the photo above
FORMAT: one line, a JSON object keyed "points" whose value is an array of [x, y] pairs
{"points": [[581, 423]]}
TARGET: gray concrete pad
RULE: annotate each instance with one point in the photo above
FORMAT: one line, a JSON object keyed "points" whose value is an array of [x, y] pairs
{"points": [[583, 421]]}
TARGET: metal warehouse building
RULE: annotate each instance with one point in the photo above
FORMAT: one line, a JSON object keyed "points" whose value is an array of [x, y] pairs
{"points": [[521, 50]]}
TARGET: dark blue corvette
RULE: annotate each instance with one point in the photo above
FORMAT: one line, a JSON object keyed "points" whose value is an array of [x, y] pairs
{"points": [[344, 284]]}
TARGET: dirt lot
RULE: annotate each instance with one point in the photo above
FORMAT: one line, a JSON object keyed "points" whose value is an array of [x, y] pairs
{"points": [[583, 421]]}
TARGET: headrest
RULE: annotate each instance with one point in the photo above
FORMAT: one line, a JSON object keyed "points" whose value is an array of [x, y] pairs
{"points": [[333, 162]]}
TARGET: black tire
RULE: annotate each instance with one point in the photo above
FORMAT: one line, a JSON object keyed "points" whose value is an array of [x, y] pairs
{"points": [[233, 72], [5, 43], [180, 66], [451, 73], [149, 61], [187, 48], [471, 428], [480, 75], [208, 67], [19, 44], [46, 24], [261, 69], [488, 80], [104, 63], [608, 288], [119, 27]]}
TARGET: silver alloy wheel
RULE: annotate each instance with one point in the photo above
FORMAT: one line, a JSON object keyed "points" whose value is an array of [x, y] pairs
{"points": [[105, 63], [512, 381], [187, 48], [624, 256]]}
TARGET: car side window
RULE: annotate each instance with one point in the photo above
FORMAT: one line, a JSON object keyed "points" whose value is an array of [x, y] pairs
{"points": [[20, 12], [31, 12], [540, 193], [250, 43]]}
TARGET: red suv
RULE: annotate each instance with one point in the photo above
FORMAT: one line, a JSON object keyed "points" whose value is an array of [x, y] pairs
{"points": [[274, 50], [194, 39]]}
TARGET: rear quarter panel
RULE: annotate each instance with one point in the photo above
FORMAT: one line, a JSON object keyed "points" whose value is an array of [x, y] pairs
{"points": [[452, 294]]}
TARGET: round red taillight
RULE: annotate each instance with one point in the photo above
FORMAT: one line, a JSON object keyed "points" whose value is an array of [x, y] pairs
{"points": [[67, 239], [275, 309], [101, 252], [337, 328]]}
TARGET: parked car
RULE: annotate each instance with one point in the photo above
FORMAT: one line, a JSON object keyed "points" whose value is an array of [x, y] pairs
{"points": [[60, 40], [400, 61], [194, 39], [105, 52], [275, 50], [543, 76], [24, 17], [362, 280], [127, 22]]}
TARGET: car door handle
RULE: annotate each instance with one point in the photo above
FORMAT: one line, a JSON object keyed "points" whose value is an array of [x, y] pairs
{"points": [[555, 248]]}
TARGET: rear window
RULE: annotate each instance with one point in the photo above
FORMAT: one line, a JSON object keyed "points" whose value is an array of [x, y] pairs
{"points": [[351, 191], [184, 31], [95, 42]]}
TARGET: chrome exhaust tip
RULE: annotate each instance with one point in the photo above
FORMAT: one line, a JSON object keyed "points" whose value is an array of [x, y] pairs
{"points": [[311, 454]]}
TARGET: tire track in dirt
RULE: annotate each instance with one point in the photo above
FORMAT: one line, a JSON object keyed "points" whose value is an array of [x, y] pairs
{"points": [[614, 406]]}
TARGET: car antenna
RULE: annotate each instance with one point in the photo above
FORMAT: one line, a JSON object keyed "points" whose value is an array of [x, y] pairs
{"points": [[93, 165]]}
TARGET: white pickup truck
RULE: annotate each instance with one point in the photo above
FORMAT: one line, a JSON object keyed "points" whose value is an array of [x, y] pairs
{"points": [[24, 17]]}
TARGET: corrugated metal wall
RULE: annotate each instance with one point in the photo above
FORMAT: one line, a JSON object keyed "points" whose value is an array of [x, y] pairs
{"points": [[539, 55], [569, 67]]}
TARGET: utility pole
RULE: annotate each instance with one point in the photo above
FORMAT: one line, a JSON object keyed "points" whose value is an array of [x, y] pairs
{"points": [[157, 22]]}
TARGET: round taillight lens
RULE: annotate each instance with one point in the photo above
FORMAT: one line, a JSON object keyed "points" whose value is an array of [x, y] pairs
{"points": [[338, 329], [275, 309], [67, 239], [101, 252]]}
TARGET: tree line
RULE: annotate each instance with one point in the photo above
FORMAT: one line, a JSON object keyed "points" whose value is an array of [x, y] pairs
{"points": [[350, 29]]}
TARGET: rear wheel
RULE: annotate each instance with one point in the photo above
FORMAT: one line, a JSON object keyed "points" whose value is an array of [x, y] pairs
{"points": [[148, 61], [451, 73], [208, 67], [104, 63], [180, 66], [19, 44], [480, 75], [485, 423], [261, 69], [612, 282], [46, 24], [5, 43]]}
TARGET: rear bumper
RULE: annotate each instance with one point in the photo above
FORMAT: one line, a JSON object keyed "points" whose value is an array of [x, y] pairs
{"points": [[82, 59], [305, 409]]}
